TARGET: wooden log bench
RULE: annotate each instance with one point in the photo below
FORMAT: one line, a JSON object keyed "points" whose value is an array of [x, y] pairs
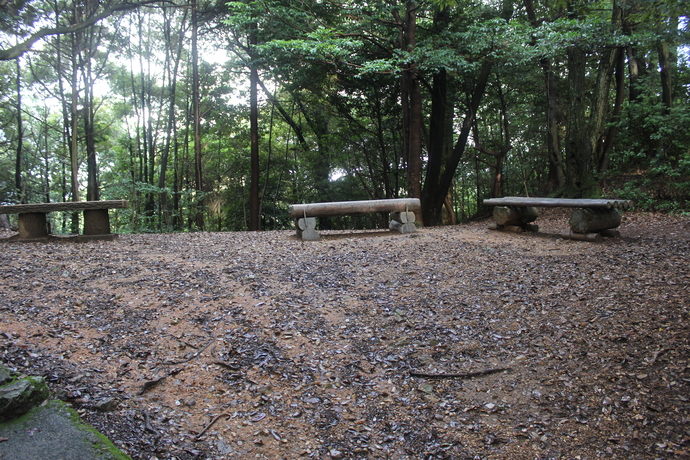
{"points": [[402, 214], [590, 220], [32, 218]]}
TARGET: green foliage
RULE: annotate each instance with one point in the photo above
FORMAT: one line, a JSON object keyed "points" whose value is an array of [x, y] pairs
{"points": [[332, 73], [7, 189], [17, 15], [655, 158]]}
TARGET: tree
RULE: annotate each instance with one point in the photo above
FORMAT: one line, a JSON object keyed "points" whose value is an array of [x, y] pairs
{"points": [[441, 168], [20, 137], [87, 21]]}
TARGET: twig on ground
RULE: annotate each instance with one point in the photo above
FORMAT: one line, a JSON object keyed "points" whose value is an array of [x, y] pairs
{"points": [[186, 360], [656, 355], [147, 424], [150, 384], [464, 375], [210, 424], [232, 367]]}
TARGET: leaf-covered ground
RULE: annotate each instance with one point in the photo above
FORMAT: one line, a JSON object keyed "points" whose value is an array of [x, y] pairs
{"points": [[257, 345]]}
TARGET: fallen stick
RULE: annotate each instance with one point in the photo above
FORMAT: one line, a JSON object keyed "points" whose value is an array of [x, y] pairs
{"points": [[656, 355], [464, 375], [210, 424], [172, 363], [147, 424], [150, 384], [232, 367]]}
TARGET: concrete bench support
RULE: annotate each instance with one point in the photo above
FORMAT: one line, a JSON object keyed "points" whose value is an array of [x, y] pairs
{"points": [[33, 225], [33, 221]]}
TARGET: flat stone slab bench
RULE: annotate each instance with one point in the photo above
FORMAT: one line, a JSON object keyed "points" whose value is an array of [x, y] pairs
{"points": [[401, 214], [590, 219], [33, 221]]}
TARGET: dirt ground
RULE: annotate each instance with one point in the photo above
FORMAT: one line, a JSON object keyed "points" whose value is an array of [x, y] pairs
{"points": [[450, 343]]}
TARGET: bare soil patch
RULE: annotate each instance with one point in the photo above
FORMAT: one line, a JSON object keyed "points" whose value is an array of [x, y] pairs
{"points": [[257, 345]]}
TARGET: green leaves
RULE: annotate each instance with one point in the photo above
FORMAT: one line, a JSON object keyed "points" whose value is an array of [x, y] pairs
{"points": [[321, 45]]}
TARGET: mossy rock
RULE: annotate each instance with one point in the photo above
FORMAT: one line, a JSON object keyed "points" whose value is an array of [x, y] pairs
{"points": [[19, 397], [5, 375], [54, 431]]}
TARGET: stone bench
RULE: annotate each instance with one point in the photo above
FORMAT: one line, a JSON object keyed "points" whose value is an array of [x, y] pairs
{"points": [[401, 214], [590, 219], [32, 218]]}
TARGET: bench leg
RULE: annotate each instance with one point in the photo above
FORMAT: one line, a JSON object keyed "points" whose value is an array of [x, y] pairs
{"points": [[96, 222], [403, 222], [32, 225], [515, 215], [588, 220], [306, 229]]}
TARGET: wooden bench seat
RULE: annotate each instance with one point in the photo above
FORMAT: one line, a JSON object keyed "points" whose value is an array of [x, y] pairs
{"points": [[401, 213], [590, 219], [33, 221]]}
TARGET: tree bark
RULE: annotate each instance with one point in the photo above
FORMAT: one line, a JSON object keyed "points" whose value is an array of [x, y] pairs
{"points": [[636, 70], [254, 204], [170, 128], [665, 75], [436, 188], [556, 177], [615, 116], [74, 139], [199, 211], [92, 188], [20, 139], [600, 107], [580, 172], [411, 102]]}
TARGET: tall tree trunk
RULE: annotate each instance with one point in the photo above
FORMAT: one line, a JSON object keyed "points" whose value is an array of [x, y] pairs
{"points": [[254, 204], [556, 177], [600, 107], [91, 41], [578, 148], [665, 74], [437, 127], [19, 186], [440, 123], [46, 157], [637, 70], [382, 147], [170, 131], [615, 116], [433, 199], [74, 136], [66, 108], [438, 185], [411, 101], [199, 216], [500, 154], [585, 137], [92, 189]]}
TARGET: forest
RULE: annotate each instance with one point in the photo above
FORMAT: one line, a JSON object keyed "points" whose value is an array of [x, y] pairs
{"points": [[216, 116]]}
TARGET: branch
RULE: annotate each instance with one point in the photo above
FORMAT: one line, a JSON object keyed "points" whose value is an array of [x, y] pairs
{"points": [[21, 48]]}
